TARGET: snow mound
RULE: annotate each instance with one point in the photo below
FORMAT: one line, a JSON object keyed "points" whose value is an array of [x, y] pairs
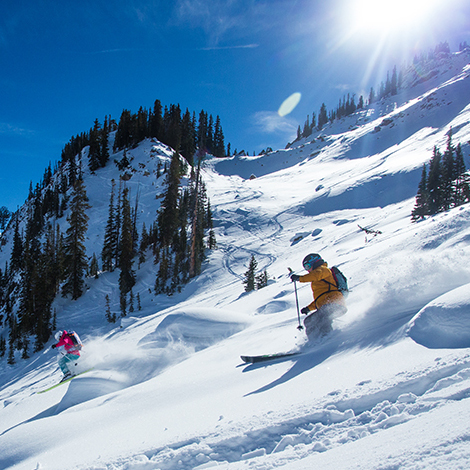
{"points": [[194, 328], [444, 322], [83, 389]]}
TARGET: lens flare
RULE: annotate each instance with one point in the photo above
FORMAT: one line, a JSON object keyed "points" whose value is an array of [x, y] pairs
{"points": [[289, 104]]}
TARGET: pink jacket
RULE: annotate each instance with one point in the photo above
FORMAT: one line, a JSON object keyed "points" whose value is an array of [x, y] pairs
{"points": [[67, 343]]}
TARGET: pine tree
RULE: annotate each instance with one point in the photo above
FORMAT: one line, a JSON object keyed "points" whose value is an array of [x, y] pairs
{"points": [[202, 132], [94, 153], [127, 275], [462, 182], [16, 256], [173, 127], [394, 82], [49, 271], [163, 272], [262, 280], [72, 171], [111, 235], [434, 183], [94, 267], [144, 244], [111, 317], [25, 354], [74, 249], [421, 207], [193, 264], [210, 134], [212, 242], [219, 144], [140, 126], [156, 121], [123, 136], [188, 137], [249, 280], [322, 117], [11, 354], [28, 291], [104, 140], [5, 215], [3, 346], [168, 216], [448, 174]]}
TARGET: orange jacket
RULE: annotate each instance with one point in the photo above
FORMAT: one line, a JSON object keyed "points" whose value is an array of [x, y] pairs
{"points": [[323, 287]]}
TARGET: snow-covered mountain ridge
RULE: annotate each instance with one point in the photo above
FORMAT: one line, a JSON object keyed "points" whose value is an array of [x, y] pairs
{"points": [[387, 389]]}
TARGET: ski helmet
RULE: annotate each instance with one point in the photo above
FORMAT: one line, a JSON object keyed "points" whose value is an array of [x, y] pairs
{"points": [[58, 335], [312, 261]]}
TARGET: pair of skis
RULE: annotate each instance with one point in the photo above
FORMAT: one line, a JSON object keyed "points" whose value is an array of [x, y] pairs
{"points": [[65, 381], [267, 357]]}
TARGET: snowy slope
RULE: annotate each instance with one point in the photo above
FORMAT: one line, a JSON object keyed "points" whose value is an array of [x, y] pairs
{"points": [[388, 388]]}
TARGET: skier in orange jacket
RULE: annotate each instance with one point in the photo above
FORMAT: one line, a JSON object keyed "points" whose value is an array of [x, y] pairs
{"points": [[328, 301]]}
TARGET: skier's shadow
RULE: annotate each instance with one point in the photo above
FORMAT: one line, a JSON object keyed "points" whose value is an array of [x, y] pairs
{"points": [[301, 363]]}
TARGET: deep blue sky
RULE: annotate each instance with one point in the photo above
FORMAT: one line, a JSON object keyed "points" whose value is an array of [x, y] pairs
{"points": [[63, 64]]}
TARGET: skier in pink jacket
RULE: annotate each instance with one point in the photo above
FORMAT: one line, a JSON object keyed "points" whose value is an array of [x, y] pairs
{"points": [[71, 352]]}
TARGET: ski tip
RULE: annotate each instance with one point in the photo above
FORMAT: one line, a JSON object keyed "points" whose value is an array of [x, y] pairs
{"points": [[248, 359]]}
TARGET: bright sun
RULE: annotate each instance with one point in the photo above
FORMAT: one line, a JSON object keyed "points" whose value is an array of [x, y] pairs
{"points": [[387, 17]]}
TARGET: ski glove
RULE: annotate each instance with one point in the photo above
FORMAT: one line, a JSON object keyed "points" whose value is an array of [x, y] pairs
{"points": [[294, 277], [305, 311], [53, 346]]}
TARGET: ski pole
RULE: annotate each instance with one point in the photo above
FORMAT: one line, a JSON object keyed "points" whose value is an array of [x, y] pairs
{"points": [[300, 327]]}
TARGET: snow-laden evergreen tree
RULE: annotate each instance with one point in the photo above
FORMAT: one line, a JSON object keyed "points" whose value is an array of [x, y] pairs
{"points": [[448, 174], [94, 152], [104, 138], [5, 215], [188, 137], [434, 183], [172, 125], [218, 149], [250, 274], [168, 215], [74, 248], [462, 181], [422, 198], [127, 275], [111, 234], [94, 267], [322, 117], [447, 184], [16, 256], [156, 122], [262, 279]]}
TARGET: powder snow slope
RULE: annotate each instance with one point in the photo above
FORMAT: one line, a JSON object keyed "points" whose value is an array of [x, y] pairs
{"points": [[388, 388]]}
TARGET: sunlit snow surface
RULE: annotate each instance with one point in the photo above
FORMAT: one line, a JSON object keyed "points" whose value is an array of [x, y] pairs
{"points": [[388, 388]]}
